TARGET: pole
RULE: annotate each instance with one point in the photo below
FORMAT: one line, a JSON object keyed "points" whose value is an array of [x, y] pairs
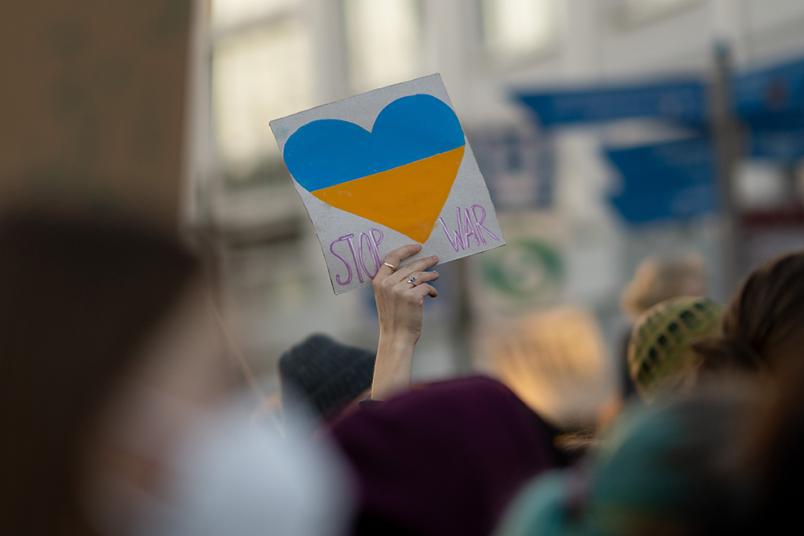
{"points": [[727, 139]]}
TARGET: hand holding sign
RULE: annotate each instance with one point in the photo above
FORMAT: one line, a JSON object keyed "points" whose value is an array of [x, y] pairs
{"points": [[400, 295], [377, 170]]}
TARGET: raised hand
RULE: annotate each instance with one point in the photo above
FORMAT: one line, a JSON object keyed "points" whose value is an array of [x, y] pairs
{"points": [[399, 293]]}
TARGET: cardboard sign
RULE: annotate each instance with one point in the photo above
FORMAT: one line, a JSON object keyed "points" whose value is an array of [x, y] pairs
{"points": [[383, 169]]}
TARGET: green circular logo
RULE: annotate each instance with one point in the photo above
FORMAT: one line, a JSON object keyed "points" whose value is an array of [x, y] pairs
{"points": [[525, 269]]}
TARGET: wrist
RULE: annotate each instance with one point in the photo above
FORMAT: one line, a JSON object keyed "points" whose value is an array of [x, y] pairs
{"points": [[398, 339], [392, 369]]}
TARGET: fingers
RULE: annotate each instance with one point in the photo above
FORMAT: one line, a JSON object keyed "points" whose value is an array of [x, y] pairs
{"points": [[419, 266], [425, 290], [420, 289], [395, 258], [423, 277]]}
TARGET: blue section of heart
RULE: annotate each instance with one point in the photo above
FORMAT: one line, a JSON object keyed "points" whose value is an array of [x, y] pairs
{"points": [[327, 152]]}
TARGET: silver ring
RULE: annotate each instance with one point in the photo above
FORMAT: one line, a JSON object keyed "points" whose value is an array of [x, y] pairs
{"points": [[412, 280], [389, 265]]}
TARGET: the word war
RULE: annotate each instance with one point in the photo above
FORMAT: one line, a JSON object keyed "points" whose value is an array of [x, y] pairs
{"points": [[358, 253], [470, 230]]}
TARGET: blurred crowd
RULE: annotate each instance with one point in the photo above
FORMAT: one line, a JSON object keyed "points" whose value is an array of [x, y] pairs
{"points": [[128, 406], [124, 410]]}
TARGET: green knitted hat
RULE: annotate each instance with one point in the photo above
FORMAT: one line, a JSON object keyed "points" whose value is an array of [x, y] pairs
{"points": [[660, 349]]}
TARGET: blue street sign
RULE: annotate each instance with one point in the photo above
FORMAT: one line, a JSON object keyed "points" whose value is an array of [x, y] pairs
{"points": [[770, 101], [769, 93], [682, 100], [668, 181], [783, 145]]}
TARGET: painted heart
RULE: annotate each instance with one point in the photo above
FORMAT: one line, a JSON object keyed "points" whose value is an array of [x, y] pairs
{"points": [[399, 174]]}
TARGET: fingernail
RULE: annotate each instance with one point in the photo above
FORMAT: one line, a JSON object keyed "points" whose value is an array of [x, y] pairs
{"points": [[435, 258]]}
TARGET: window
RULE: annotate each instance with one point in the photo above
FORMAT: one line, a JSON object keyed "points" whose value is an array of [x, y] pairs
{"points": [[384, 41], [226, 12], [513, 29], [261, 70], [636, 12]]}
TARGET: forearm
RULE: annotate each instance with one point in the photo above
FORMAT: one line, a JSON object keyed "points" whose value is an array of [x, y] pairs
{"points": [[392, 369], [400, 293]]}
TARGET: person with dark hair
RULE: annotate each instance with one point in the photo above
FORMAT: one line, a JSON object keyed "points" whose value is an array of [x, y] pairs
{"points": [[774, 454], [763, 326], [111, 391], [328, 376]]}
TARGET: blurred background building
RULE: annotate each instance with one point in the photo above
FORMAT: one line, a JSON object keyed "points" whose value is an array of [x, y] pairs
{"points": [[676, 96], [263, 59]]}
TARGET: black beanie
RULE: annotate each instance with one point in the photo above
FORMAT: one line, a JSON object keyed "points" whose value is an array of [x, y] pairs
{"points": [[327, 374]]}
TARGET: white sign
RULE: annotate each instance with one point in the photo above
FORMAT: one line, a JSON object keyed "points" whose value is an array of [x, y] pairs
{"points": [[383, 169]]}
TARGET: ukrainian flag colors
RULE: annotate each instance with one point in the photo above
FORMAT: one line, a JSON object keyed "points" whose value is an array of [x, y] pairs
{"points": [[399, 174]]}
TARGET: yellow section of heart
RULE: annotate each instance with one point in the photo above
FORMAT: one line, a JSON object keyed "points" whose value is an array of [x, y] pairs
{"points": [[407, 198]]}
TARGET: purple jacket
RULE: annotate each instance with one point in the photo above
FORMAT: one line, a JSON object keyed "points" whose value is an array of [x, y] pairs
{"points": [[444, 459]]}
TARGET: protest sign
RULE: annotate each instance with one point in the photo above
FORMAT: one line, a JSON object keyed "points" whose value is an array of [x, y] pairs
{"points": [[383, 169]]}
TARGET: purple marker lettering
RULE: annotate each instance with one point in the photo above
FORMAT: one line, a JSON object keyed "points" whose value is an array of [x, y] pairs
{"points": [[377, 236], [457, 244], [348, 278], [481, 238], [482, 218], [469, 228], [361, 257], [354, 255]]}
